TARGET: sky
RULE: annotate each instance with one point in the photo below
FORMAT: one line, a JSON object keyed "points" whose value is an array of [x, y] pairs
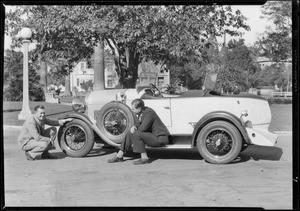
{"points": [[257, 25], [252, 12]]}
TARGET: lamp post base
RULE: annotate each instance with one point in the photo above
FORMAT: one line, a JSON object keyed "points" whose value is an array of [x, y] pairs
{"points": [[24, 115]]}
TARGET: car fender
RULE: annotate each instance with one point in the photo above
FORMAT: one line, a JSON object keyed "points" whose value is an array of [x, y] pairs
{"points": [[87, 120], [219, 115]]}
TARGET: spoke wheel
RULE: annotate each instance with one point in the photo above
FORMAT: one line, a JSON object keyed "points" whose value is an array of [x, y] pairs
{"points": [[76, 138], [115, 120], [219, 142]]}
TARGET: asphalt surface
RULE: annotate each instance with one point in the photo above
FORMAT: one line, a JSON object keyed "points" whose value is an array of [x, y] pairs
{"points": [[259, 177]]}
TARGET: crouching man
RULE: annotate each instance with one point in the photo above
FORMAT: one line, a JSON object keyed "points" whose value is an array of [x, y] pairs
{"points": [[34, 139], [149, 130]]}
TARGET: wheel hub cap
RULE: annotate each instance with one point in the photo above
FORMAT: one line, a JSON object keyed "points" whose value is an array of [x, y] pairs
{"points": [[219, 142]]}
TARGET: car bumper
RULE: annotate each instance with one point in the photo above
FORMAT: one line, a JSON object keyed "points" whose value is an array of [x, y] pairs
{"points": [[261, 136]]}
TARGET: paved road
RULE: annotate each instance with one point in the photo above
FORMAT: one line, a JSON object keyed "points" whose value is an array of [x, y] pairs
{"points": [[281, 117], [260, 177]]}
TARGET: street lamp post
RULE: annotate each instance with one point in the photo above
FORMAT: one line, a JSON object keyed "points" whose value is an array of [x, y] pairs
{"points": [[25, 112]]}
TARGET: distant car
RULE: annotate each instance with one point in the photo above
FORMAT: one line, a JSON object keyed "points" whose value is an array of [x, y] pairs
{"points": [[219, 126]]}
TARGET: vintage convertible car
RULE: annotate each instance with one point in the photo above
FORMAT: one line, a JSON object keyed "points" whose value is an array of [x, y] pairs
{"points": [[220, 126]]}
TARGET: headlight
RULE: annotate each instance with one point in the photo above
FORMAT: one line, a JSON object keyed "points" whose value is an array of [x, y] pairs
{"points": [[120, 96], [78, 106]]}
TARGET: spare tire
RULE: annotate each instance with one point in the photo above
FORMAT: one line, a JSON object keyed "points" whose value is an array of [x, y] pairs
{"points": [[114, 120]]}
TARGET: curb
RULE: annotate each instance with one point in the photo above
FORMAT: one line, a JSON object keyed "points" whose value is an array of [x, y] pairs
{"points": [[18, 127], [11, 126]]}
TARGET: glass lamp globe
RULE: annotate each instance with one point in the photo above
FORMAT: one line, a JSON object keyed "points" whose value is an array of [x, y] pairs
{"points": [[26, 33]]}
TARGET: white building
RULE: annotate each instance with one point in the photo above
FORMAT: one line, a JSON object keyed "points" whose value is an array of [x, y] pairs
{"points": [[148, 72], [81, 73], [266, 62]]}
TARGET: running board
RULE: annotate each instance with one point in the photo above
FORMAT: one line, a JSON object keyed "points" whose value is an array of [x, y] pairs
{"points": [[175, 146]]}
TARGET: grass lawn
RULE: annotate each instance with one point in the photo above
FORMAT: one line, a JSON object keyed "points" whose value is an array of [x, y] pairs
{"points": [[11, 111]]}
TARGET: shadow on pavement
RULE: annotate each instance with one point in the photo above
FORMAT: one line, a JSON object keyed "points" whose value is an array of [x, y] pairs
{"points": [[253, 152], [185, 154], [100, 152], [257, 153], [59, 155]]}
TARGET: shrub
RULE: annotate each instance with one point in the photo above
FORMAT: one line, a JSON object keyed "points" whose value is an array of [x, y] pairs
{"points": [[280, 100]]}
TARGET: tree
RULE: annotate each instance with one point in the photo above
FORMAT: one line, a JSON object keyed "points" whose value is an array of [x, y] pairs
{"points": [[13, 78], [239, 68], [134, 33], [276, 74], [168, 34], [55, 77], [87, 85], [52, 40], [280, 13], [276, 43], [188, 75]]}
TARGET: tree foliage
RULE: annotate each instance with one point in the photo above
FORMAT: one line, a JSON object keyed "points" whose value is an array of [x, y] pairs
{"points": [[87, 85], [53, 35], [239, 68], [13, 78], [276, 43], [134, 33], [275, 74], [280, 13]]}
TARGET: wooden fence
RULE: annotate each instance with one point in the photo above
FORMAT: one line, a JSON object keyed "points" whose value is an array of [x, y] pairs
{"points": [[282, 94]]}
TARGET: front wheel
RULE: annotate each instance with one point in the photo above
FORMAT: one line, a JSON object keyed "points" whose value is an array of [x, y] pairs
{"points": [[76, 138], [219, 142]]}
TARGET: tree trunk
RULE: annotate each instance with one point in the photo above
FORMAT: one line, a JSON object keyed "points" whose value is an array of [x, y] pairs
{"points": [[129, 75], [43, 75], [67, 85], [99, 67]]}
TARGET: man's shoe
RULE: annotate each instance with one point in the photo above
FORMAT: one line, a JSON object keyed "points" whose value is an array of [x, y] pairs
{"points": [[115, 160], [141, 161], [47, 155], [107, 146], [28, 156], [51, 146]]}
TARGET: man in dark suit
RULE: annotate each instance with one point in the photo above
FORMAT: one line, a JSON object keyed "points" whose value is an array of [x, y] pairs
{"points": [[148, 130], [34, 139]]}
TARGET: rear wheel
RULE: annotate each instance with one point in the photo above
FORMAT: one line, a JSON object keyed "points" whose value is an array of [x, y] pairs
{"points": [[115, 120], [219, 142], [76, 138]]}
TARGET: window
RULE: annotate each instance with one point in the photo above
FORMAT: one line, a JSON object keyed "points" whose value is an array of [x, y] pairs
{"points": [[160, 81], [110, 83], [82, 66], [77, 81]]}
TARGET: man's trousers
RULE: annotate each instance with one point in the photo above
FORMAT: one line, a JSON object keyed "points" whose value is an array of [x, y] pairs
{"points": [[139, 139]]}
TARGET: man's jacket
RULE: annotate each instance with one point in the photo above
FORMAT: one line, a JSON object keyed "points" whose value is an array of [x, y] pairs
{"points": [[34, 129], [150, 122]]}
